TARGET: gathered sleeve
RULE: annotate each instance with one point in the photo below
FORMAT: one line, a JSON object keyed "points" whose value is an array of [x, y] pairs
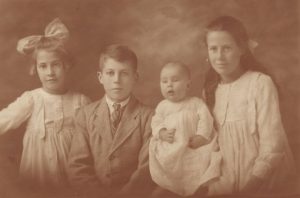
{"points": [[16, 113], [205, 123], [270, 130], [157, 122]]}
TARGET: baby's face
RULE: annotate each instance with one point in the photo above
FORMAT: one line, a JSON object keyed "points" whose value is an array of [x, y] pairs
{"points": [[174, 84]]}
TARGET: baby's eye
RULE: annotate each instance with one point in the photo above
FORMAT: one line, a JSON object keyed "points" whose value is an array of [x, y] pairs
{"points": [[227, 48]]}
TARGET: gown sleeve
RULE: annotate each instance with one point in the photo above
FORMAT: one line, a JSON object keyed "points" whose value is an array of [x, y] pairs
{"points": [[157, 122], [16, 113], [269, 127], [205, 124]]}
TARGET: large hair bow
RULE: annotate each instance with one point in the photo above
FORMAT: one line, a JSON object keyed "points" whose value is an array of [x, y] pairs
{"points": [[56, 29]]}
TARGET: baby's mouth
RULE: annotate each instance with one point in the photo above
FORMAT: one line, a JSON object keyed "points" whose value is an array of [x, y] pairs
{"points": [[171, 92]]}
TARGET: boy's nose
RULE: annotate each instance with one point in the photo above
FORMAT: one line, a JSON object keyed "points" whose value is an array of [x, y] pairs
{"points": [[220, 54], [116, 77]]}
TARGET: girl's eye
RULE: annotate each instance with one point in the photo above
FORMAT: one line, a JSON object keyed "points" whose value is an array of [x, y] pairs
{"points": [[56, 64], [124, 73]]}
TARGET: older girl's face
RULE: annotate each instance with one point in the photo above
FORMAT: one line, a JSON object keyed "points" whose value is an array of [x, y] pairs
{"points": [[224, 54], [51, 71]]}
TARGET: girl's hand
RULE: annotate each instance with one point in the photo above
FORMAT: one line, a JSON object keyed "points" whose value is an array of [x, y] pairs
{"points": [[196, 141], [253, 185], [167, 135]]}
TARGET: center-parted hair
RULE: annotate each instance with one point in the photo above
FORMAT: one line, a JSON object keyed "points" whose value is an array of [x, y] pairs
{"points": [[120, 53], [239, 33], [51, 45]]}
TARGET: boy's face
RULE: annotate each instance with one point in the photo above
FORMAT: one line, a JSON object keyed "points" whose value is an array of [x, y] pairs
{"points": [[51, 71], [174, 83], [117, 79]]}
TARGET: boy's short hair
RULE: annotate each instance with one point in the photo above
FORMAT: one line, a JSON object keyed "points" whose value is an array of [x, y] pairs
{"points": [[120, 53]]}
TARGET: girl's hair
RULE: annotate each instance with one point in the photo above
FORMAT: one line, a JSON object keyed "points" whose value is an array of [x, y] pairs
{"points": [[52, 45], [247, 61]]}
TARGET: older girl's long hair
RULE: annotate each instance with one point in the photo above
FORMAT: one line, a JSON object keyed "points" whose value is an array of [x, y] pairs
{"points": [[237, 30]]}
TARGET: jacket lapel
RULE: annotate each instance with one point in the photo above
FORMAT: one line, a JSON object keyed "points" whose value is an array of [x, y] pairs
{"points": [[128, 124]]}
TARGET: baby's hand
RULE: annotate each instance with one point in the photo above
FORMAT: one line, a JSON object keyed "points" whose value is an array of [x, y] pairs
{"points": [[196, 141], [167, 135]]}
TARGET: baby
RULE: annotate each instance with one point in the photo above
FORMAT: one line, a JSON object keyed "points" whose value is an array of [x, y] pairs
{"points": [[182, 156]]}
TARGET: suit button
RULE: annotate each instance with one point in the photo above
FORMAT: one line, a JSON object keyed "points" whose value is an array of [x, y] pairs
{"points": [[112, 157], [107, 174]]}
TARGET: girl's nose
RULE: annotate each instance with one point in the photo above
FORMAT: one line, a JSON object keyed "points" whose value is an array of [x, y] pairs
{"points": [[220, 54], [50, 70]]}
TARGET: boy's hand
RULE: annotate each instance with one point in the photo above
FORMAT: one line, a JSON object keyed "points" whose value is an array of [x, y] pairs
{"points": [[196, 141], [167, 135]]}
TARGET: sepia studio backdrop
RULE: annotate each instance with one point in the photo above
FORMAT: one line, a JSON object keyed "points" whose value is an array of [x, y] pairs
{"points": [[158, 31]]}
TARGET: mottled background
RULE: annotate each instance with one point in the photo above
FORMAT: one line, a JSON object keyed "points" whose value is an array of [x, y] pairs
{"points": [[158, 31]]}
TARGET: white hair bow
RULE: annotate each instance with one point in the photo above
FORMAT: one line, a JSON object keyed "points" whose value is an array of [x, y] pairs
{"points": [[55, 29]]}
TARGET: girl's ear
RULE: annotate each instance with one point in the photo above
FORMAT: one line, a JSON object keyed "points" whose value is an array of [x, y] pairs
{"points": [[188, 85], [136, 76]]}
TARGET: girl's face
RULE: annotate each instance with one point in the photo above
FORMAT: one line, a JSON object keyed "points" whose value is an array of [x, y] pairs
{"points": [[51, 71], [174, 83], [224, 53]]}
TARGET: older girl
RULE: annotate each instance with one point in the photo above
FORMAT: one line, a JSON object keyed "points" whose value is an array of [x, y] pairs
{"points": [[244, 101], [48, 110]]}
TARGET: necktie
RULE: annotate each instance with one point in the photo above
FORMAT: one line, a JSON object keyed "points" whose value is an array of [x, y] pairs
{"points": [[116, 116]]}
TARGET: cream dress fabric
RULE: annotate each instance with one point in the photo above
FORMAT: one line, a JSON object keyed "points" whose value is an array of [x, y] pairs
{"points": [[250, 134], [175, 166], [48, 133]]}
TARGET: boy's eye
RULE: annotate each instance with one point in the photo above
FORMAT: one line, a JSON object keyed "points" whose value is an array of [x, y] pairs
{"points": [[213, 49], [110, 73], [124, 73]]}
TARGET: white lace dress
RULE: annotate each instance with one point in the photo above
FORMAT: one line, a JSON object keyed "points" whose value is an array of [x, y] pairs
{"points": [[250, 133], [175, 166], [48, 133]]}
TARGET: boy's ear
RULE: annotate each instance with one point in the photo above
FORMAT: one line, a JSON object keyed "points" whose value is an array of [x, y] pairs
{"points": [[99, 75]]}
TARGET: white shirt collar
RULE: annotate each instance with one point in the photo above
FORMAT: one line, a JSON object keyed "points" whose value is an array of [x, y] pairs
{"points": [[110, 103]]}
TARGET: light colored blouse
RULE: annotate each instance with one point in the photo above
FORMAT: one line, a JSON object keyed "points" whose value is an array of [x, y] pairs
{"points": [[251, 136], [48, 133]]}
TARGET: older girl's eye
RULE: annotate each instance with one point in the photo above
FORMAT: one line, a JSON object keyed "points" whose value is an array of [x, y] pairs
{"points": [[42, 66], [227, 48], [212, 49]]}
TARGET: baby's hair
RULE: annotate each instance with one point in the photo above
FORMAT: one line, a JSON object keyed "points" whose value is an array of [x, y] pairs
{"points": [[120, 53], [239, 33], [52, 45], [184, 68]]}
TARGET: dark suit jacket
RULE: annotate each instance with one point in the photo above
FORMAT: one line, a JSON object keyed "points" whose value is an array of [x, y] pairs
{"points": [[98, 158]]}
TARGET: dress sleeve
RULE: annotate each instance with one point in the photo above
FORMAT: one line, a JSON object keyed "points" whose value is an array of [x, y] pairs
{"points": [[269, 127], [157, 122], [205, 124], [16, 113], [85, 100]]}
